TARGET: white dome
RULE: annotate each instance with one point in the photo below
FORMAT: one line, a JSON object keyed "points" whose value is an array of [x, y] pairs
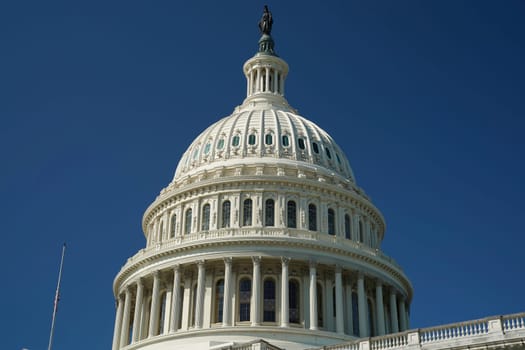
{"points": [[273, 133]]}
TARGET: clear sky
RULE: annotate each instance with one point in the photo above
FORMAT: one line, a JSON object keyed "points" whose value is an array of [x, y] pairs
{"points": [[98, 101]]}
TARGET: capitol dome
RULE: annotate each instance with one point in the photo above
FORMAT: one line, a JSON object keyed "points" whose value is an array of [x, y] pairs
{"points": [[263, 233]]}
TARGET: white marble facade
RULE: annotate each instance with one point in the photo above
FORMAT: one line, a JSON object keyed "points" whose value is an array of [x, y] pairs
{"points": [[262, 238]]}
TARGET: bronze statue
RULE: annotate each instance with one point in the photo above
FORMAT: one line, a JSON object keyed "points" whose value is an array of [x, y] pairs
{"points": [[265, 24]]}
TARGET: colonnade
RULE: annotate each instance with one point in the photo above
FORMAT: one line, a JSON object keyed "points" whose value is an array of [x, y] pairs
{"points": [[267, 291]]}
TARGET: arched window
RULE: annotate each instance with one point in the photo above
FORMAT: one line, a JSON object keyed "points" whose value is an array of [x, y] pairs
{"points": [[269, 212], [348, 224], [220, 144], [226, 205], [331, 221], [162, 313], [292, 214], [355, 314], [334, 307], [187, 224], [315, 147], [251, 139], [312, 217], [219, 299], [294, 299], [247, 212], [320, 310], [371, 318], [245, 295], [269, 300], [205, 226], [361, 232], [173, 225]]}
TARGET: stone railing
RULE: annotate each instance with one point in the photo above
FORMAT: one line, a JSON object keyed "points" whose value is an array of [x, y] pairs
{"points": [[263, 232], [497, 332]]}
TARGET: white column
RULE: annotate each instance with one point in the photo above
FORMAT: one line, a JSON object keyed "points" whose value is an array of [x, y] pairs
{"points": [[393, 311], [124, 331], [251, 85], [258, 80], [200, 294], [226, 309], [313, 296], [175, 300], [361, 306], [285, 310], [275, 81], [355, 227], [380, 310], [339, 320], [155, 306], [402, 315], [267, 82], [256, 289], [118, 324], [282, 84], [138, 308]]}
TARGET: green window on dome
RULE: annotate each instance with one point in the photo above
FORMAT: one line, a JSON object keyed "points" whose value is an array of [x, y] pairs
{"points": [[286, 141], [251, 139], [301, 143], [315, 146], [268, 139], [220, 144], [328, 154], [207, 148], [195, 153], [235, 141]]}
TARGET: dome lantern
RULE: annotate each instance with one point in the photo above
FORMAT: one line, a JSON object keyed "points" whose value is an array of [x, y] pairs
{"points": [[265, 72]]}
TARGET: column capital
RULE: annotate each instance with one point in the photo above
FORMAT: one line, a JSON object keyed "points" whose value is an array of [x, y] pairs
{"points": [[201, 263], [312, 263], [256, 260], [139, 282], [156, 273], [228, 260], [285, 261], [338, 269], [176, 267]]}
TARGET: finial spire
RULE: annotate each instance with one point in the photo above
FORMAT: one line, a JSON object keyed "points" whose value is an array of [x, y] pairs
{"points": [[266, 43]]}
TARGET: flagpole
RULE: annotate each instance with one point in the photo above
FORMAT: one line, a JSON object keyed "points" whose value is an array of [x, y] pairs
{"points": [[57, 298]]}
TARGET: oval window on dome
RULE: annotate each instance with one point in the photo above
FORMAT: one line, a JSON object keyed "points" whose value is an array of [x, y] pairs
{"points": [[196, 153], [315, 147], [207, 148], [286, 141], [235, 140], [301, 144], [328, 154], [220, 144], [268, 139], [251, 139]]}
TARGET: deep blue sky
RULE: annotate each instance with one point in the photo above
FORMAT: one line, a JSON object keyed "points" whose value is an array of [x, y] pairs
{"points": [[99, 100]]}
